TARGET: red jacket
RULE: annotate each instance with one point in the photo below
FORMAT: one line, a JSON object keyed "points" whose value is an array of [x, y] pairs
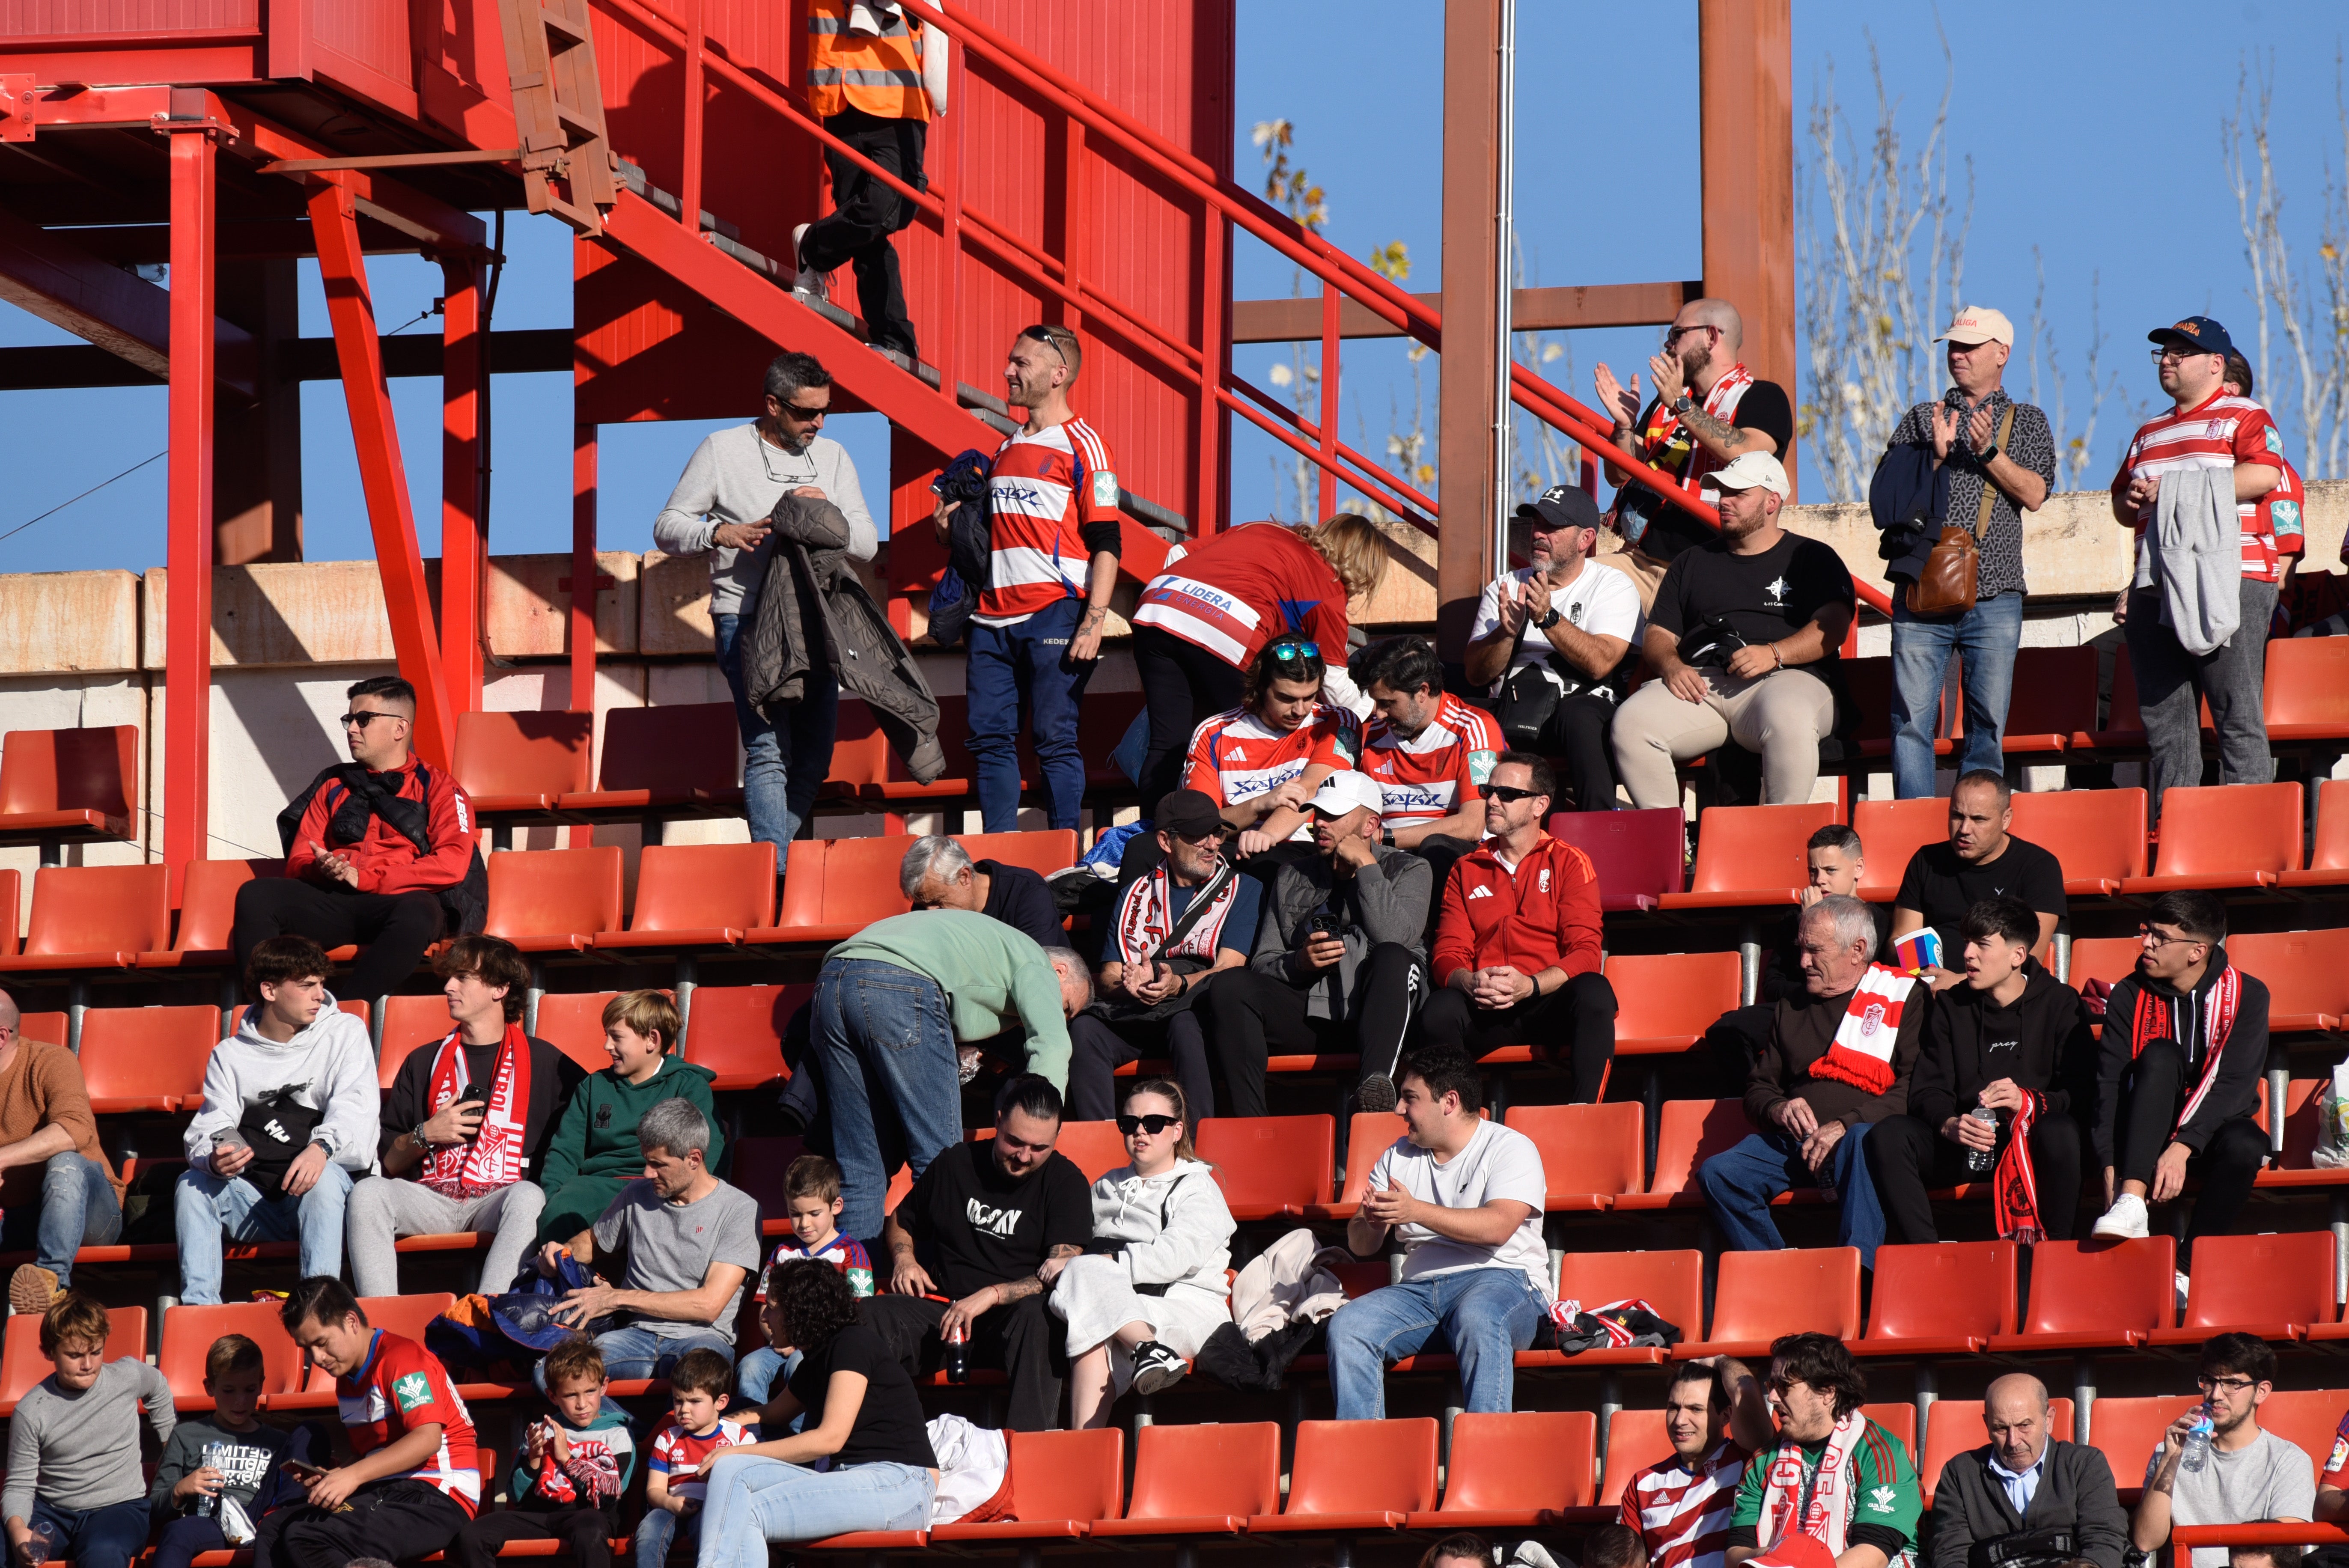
{"points": [[386, 861], [1545, 916], [1245, 587]]}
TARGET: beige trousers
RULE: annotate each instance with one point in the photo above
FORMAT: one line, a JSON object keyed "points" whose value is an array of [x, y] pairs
{"points": [[1782, 715]]}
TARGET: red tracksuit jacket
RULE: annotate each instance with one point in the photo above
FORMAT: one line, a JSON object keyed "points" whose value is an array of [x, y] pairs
{"points": [[386, 861], [1544, 915]]}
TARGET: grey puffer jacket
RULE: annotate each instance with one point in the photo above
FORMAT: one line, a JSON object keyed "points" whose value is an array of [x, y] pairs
{"points": [[1386, 901], [814, 613]]}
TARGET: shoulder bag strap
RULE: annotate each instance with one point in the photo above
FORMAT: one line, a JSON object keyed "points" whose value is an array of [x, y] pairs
{"points": [[1990, 491]]}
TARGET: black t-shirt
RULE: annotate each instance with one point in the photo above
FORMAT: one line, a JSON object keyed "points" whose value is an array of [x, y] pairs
{"points": [[1019, 898], [1764, 407], [1941, 888], [1762, 598], [889, 1428], [977, 1227]]}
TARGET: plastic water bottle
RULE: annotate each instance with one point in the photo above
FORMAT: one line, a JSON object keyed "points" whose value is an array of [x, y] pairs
{"points": [[1978, 1161], [40, 1541], [2195, 1452]]}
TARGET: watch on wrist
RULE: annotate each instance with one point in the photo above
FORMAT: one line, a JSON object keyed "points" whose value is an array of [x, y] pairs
{"points": [[1684, 403], [1550, 618], [1386, 837], [1987, 455], [417, 1132]]}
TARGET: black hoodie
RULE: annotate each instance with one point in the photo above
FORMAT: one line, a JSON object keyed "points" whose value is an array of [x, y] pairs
{"points": [[2185, 1017], [2041, 1042]]}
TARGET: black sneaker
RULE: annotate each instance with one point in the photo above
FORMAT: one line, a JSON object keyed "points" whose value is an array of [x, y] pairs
{"points": [[1156, 1368], [1376, 1092]]}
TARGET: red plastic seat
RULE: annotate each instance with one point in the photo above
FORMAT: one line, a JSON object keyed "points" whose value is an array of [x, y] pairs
{"points": [[58, 786], [2328, 854], [2093, 1295], [22, 1365], [1688, 1134], [2273, 1287], [147, 1058], [1943, 1299], [2051, 699], [554, 901], [1666, 1001], [2308, 1417], [1900, 1420], [95, 917], [516, 765], [1761, 1295], [1890, 832], [2295, 1169], [573, 1023], [1370, 1134], [2111, 959], [1270, 1165], [52, 1028], [1062, 1483], [1671, 1282], [188, 1335], [835, 888], [1590, 1153], [1357, 1476], [736, 1031], [2307, 975], [1640, 856], [2098, 835], [1044, 850], [2305, 696], [1869, 684], [410, 1022], [1097, 1148], [2224, 835], [1519, 1470], [2129, 1430], [1955, 1427], [1635, 1440], [1750, 855], [698, 895], [406, 1316], [860, 752], [2122, 731], [684, 760], [1205, 1479], [208, 913]]}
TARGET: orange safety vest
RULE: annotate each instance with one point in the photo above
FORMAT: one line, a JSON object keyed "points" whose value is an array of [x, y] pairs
{"points": [[882, 76]]}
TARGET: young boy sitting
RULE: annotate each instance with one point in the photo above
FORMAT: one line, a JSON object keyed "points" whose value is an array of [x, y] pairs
{"points": [[573, 1468], [216, 1473], [594, 1152], [677, 1475], [811, 1197], [73, 1445]]}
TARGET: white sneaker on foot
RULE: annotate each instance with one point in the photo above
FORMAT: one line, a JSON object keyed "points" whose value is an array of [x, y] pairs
{"points": [[2125, 1220], [807, 282], [1156, 1368]]}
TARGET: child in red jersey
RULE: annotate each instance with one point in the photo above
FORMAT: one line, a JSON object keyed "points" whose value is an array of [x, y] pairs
{"points": [[573, 1466], [677, 1470]]}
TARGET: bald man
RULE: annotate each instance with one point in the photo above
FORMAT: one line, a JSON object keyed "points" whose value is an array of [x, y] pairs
{"points": [[2024, 1482]]}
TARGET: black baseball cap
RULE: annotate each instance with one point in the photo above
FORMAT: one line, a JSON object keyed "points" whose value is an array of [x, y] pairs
{"points": [[2198, 333], [1187, 814], [1561, 506]]}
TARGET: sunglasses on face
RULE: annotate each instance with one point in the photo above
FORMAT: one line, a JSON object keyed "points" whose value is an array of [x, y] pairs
{"points": [[1150, 1126], [361, 720], [1509, 793], [804, 416]]}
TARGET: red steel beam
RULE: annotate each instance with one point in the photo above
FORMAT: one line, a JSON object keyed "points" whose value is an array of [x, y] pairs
{"points": [[584, 582], [188, 634], [464, 542], [383, 478], [51, 277]]}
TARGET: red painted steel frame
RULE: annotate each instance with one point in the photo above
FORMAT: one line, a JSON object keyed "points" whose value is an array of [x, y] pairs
{"points": [[188, 635], [584, 455], [464, 543]]}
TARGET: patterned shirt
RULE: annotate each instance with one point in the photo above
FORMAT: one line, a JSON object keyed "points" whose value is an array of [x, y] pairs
{"points": [[401, 1386], [685, 1457], [2030, 444], [1427, 776], [2221, 431], [1681, 1511], [1044, 487], [1236, 755]]}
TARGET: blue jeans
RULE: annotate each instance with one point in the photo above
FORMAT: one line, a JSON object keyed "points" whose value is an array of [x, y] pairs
{"points": [[1025, 667], [887, 1044], [660, 1529], [754, 1500], [1984, 638], [79, 1209], [205, 1205], [107, 1537], [756, 1376], [778, 790], [635, 1352], [1740, 1182], [1486, 1315]]}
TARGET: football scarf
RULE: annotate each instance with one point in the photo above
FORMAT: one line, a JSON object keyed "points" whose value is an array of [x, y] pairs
{"points": [[1146, 931], [1861, 1054], [1825, 1514], [2014, 1186], [494, 1158], [2157, 1018], [1672, 448]]}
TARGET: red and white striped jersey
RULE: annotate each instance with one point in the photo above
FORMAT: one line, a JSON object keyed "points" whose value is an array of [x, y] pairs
{"points": [[1045, 486], [399, 1386], [2217, 432], [1682, 1512], [1431, 774], [1242, 588], [1236, 755], [2280, 514]]}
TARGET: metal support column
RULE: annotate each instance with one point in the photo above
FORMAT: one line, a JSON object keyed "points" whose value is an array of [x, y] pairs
{"points": [[583, 568], [464, 543], [188, 637], [1472, 373], [1745, 70]]}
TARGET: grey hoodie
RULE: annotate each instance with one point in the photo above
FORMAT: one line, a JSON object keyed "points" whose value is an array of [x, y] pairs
{"points": [[1173, 1229], [2194, 550], [333, 1061], [734, 476]]}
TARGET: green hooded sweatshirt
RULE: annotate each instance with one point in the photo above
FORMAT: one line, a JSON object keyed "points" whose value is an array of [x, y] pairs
{"points": [[594, 1153]]}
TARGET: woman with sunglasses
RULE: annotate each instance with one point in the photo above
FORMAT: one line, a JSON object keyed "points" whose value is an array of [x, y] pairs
{"points": [[1144, 1296], [1261, 762]]}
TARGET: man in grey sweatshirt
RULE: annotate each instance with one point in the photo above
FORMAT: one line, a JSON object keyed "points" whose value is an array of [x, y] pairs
{"points": [[721, 505], [73, 1445], [289, 1122]]}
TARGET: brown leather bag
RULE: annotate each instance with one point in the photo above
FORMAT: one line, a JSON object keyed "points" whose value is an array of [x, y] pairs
{"points": [[1952, 571]]}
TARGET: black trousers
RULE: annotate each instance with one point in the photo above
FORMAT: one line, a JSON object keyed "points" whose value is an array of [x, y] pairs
{"points": [[1573, 1025], [395, 1520], [587, 1531], [1098, 1046], [2152, 1094], [865, 213], [1182, 684], [392, 930], [1576, 734], [1024, 1339], [1251, 1015], [1907, 1158]]}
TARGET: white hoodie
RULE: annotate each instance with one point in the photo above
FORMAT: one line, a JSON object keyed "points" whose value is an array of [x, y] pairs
{"points": [[1176, 1229], [332, 1061]]}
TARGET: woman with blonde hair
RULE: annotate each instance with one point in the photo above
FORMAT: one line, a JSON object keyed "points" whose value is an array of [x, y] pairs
{"points": [[1198, 624]]}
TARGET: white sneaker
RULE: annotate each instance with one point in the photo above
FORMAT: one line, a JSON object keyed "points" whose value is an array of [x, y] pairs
{"points": [[1156, 1368], [2125, 1220], [2181, 1282], [808, 282]]}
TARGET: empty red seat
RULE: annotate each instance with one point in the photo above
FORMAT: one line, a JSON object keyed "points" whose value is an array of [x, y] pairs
{"points": [[2123, 732], [2305, 697], [1516, 1471], [22, 1365], [1943, 1299], [147, 1058], [2098, 835], [2089, 1296], [518, 764], [2111, 959], [1269, 1164], [1889, 832], [1955, 1427], [208, 913], [573, 1023], [1635, 1440], [2328, 854], [1042, 851], [835, 888], [1640, 856], [1760, 1296], [2223, 835], [2272, 1287], [188, 1335], [2305, 1417], [684, 760], [1666, 1001], [1671, 1282], [1688, 1134], [2053, 697], [410, 1022], [2295, 1168], [52, 1028], [736, 1031], [1590, 1153], [1095, 1147], [2128, 1431], [1370, 1134], [554, 901], [1205, 1479], [1357, 1476], [62, 785], [2306, 972], [1750, 855], [1062, 1482], [698, 895], [95, 917]]}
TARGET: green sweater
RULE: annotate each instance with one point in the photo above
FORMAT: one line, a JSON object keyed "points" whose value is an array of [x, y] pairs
{"points": [[994, 977], [596, 1137]]}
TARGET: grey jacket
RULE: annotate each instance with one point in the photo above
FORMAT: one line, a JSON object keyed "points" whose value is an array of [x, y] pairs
{"points": [[2075, 1495], [736, 476], [2194, 550], [1389, 903], [813, 613]]}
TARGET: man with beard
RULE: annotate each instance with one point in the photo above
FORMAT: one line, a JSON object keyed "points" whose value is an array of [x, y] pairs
{"points": [[1834, 1474]]}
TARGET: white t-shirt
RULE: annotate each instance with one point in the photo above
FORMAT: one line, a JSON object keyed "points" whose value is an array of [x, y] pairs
{"points": [[1600, 602], [1499, 1162]]}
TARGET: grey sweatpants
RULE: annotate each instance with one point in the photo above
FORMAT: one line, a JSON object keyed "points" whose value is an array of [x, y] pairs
{"points": [[385, 1208], [1782, 715], [2169, 681]]}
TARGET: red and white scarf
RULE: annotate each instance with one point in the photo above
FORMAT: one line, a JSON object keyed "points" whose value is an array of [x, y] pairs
{"points": [[2014, 1186], [1861, 1053], [494, 1158], [1834, 1492], [1669, 447], [2155, 1018], [1145, 914]]}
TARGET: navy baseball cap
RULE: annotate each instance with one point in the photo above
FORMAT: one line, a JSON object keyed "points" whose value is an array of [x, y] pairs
{"points": [[1561, 506], [2198, 333]]}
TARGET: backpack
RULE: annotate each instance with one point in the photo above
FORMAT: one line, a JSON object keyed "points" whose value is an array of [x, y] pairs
{"points": [[465, 906]]}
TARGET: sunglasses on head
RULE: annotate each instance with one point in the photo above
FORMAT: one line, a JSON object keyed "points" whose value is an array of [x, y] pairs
{"points": [[1150, 1125], [1510, 792], [1292, 650]]}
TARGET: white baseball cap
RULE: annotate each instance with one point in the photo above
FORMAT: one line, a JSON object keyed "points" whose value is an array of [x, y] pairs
{"points": [[1979, 324], [1751, 468], [1342, 791]]}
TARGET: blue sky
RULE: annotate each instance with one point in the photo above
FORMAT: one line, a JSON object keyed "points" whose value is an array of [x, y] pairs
{"points": [[2091, 136]]}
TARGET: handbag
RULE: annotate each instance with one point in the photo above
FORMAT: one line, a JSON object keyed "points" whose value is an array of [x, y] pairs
{"points": [[1527, 695], [1953, 569]]}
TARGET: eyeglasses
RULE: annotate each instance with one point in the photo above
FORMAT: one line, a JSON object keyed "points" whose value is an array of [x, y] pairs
{"points": [[2225, 1385], [803, 414], [1676, 334], [1151, 1126], [361, 720], [2174, 351], [1510, 792], [2154, 938]]}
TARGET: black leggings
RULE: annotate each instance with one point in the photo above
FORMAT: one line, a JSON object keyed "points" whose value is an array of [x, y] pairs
{"points": [[1906, 1157], [2152, 1095], [1575, 1023], [1182, 684], [1250, 1014]]}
